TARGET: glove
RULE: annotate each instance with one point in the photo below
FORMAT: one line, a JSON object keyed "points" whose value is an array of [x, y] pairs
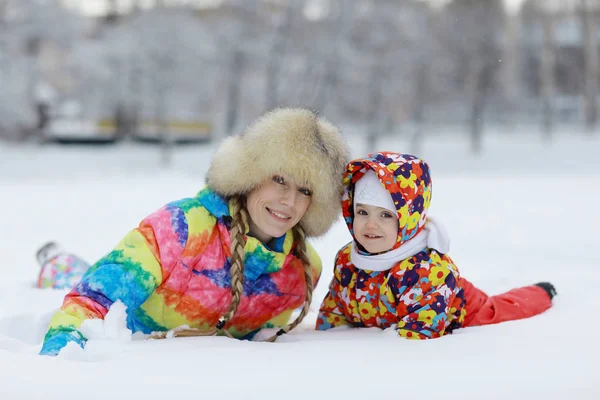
{"points": [[548, 287]]}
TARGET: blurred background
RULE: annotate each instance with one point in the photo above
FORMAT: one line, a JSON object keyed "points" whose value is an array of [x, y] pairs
{"points": [[111, 108], [177, 71]]}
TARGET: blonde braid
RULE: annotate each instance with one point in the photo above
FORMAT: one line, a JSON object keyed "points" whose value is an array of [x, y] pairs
{"points": [[300, 239], [238, 228]]}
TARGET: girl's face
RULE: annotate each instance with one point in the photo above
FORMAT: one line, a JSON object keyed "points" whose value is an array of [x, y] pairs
{"points": [[375, 228], [276, 206]]}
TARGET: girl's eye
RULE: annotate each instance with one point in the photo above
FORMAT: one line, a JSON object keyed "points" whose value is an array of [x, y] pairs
{"points": [[305, 191], [387, 215], [279, 179], [362, 212]]}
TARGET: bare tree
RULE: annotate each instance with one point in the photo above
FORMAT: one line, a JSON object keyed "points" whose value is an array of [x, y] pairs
{"points": [[473, 31], [421, 98], [277, 53], [590, 43], [25, 26], [165, 76], [376, 39], [317, 52], [333, 62], [547, 74], [511, 58], [373, 115], [429, 58], [237, 52]]}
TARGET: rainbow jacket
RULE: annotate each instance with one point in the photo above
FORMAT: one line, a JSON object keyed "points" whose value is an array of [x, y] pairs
{"points": [[421, 295], [173, 270]]}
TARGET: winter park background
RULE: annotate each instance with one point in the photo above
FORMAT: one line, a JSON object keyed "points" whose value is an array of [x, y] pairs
{"points": [[499, 97]]}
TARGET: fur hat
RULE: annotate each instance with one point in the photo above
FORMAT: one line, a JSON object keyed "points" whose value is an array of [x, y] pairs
{"points": [[291, 141]]}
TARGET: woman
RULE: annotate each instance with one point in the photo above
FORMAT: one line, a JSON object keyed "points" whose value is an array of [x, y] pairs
{"points": [[233, 259]]}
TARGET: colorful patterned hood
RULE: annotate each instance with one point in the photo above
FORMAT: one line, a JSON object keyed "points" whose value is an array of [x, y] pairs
{"points": [[408, 181]]}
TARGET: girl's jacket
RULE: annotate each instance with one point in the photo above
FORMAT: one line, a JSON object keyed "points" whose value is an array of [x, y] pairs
{"points": [[173, 270], [420, 294]]}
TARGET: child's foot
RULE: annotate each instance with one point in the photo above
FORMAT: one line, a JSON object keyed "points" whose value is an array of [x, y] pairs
{"points": [[59, 269], [47, 252], [548, 287]]}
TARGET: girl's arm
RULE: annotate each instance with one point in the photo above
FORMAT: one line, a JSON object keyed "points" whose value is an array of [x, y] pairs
{"points": [[425, 308], [330, 314]]}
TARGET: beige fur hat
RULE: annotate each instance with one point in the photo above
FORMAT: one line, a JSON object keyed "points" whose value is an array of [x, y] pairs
{"points": [[292, 141]]}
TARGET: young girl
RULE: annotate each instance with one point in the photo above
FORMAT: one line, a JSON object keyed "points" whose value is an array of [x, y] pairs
{"points": [[396, 272], [234, 258]]}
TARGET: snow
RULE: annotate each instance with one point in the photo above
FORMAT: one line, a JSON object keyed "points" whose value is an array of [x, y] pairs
{"points": [[520, 213]]}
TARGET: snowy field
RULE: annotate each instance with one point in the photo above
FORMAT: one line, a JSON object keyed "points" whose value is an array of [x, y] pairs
{"points": [[520, 213]]}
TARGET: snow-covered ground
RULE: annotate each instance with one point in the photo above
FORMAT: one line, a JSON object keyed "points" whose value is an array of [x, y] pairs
{"points": [[520, 213]]}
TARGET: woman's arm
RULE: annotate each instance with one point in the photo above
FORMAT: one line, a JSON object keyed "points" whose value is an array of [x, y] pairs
{"points": [[130, 273]]}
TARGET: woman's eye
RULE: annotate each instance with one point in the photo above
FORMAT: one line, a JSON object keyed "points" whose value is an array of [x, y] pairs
{"points": [[305, 191], [279, 179]]}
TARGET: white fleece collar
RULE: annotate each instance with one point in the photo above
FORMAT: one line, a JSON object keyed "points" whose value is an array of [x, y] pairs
{"points": [[433, 236]]}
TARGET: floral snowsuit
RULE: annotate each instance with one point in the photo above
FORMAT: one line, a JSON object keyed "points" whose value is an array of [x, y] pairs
{"points": [[424, 294]]}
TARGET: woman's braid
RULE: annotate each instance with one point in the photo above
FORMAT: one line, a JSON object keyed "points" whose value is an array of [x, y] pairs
{"points": [[238, 228], [301, 253]]}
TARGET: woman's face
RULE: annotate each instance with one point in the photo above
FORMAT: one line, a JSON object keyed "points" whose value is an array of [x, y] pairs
{"points": [[276, 206]]}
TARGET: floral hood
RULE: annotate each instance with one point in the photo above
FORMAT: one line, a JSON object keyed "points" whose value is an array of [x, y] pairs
{"points": [[405, 177]]}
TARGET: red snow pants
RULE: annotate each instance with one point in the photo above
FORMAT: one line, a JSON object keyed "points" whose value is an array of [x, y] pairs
{"points": [[515, 304]]}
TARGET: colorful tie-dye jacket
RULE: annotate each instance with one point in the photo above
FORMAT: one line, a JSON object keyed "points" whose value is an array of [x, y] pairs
{"points": [[173, 270], [421, 294]]}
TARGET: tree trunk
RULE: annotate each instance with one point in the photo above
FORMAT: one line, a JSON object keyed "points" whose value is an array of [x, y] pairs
{"points": [[420, 96], [4, 59], [161, 115], [276, 55], [477, 84], [332, 65], [547, 75], [590, 43], [237, 65], [511, 77], [162, 124], [373, 110], [112, 11], [233, 91]]}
